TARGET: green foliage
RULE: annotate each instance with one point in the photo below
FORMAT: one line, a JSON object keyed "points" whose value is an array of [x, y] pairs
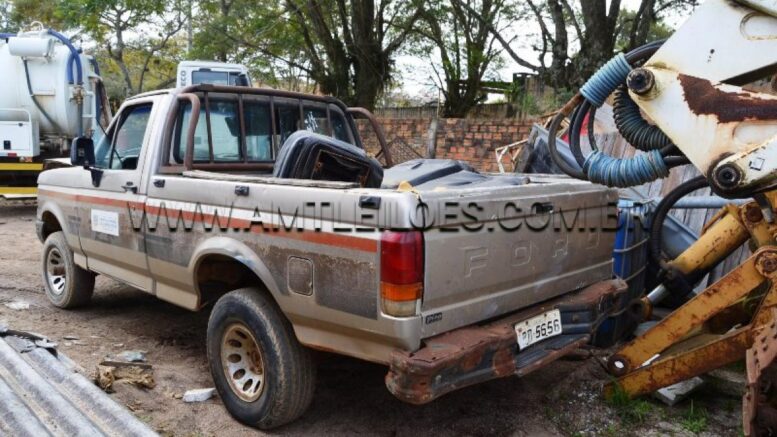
{"points": [[631, 411], [102, 17], [695, 420], [5, 16], [21, 13], [160, 72], [262, 38], [657, 30]]}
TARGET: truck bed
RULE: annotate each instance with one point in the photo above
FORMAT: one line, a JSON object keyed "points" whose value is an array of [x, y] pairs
{"points": [[491, 249]]}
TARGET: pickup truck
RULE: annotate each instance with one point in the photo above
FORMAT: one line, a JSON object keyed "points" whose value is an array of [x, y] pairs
{"points": [[447, 276]]}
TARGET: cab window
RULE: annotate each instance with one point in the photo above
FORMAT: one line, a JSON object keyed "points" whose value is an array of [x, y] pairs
{"points": [[339, 126], [215, 77], [316, 119], [287, 120], [226, 131], [120, 149], [247, 128], [258, 127]]}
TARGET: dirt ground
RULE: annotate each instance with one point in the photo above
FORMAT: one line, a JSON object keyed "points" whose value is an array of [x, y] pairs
{"points": [[561, 399]]}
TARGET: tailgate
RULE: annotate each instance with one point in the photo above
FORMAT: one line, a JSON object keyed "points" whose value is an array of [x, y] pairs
{"points": [[503, 250]]}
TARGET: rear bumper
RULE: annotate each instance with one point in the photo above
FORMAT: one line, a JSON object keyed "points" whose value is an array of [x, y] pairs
{"points": [[479, 353]]}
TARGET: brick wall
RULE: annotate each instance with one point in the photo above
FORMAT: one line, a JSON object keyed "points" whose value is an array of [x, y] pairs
{"points": [[471, 140]]}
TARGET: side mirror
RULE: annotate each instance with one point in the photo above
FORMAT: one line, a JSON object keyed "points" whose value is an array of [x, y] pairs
{"points": [[242, 80], [82, 152]]}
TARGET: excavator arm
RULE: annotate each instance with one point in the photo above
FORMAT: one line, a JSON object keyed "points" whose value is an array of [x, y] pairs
{"points": [[694, 90]]}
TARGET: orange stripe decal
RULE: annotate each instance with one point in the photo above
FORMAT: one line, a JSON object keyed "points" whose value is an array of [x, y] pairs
{"points": [[308, 236]]}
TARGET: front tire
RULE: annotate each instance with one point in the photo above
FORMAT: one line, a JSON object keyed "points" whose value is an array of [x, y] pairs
{"points": [[264, 376], [67, 285]]}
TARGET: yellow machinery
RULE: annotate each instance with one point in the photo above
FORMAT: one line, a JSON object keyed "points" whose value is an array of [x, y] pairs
{"points": [[696, 90]]}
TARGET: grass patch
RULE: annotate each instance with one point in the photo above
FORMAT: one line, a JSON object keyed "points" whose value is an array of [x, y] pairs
{"points": [[611, 431], [695, 420], [632, 411]]}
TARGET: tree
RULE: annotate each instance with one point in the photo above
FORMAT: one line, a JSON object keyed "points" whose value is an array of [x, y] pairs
{"points": [[19, 14], [628, 40], [5, 16], [350, 45], [465, 46], [257, 35], [344, 48], [143, 27], [595, 28]]}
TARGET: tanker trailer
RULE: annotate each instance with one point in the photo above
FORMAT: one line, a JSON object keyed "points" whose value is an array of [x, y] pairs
{"points": [[50, 93]]}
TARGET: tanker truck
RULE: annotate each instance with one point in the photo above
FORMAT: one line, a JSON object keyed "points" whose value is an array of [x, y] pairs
{"points": [[50, 94]]}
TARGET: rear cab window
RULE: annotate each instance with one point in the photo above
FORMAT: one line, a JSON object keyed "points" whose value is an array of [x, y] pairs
{"points": [[249, 128]]}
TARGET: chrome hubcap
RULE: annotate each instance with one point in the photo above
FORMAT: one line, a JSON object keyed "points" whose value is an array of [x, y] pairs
{"points": [[241, 359], [55, 271]]}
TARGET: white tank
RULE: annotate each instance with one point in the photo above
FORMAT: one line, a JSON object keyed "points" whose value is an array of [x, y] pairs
{"points": [[47, 61]]}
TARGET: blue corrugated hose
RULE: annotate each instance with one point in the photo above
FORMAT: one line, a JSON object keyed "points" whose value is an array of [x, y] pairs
{"points": [[606, 80], [617, 172]]}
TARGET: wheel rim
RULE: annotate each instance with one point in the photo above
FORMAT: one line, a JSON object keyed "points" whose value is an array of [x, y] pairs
{"points": [[55, 271], [241, 359]]}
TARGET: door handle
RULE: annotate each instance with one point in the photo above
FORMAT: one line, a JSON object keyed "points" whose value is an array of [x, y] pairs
{"points": [[159, 183], [129, 186], [241, 190]]}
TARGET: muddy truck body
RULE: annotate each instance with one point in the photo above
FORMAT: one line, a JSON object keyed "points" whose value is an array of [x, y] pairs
{"points": [[447, 276]]}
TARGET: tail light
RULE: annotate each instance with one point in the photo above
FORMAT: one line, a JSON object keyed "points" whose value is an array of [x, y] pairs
{"points": [[401, 272]]}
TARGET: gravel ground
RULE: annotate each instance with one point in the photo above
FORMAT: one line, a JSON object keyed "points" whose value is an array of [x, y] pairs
{"points": [[564, 398]]}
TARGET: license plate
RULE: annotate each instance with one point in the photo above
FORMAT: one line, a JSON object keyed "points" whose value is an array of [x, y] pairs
{"points": [[538, 328]]}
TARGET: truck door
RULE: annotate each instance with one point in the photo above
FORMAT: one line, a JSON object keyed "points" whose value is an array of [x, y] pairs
{"points": [[113, 244]]}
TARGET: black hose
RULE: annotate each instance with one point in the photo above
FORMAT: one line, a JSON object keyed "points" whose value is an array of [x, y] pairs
{"points": [[634, 128], [591, 127], [662, 210], [35, 100], [559, 160], [575, 126], [676, 161], [670, 150], [644, 51]]}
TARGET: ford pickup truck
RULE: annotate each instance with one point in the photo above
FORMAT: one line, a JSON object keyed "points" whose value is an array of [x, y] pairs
{"points": [[263, 207]]}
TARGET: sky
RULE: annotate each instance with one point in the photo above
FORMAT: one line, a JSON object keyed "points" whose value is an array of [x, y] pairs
{"points": [[415, 74]]}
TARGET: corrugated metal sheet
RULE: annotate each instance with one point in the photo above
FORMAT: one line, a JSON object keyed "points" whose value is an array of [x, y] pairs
{"points": [[41, 394]]}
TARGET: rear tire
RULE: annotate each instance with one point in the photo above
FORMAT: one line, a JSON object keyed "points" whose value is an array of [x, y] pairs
{"points": [[264, 376], [67, 285]]}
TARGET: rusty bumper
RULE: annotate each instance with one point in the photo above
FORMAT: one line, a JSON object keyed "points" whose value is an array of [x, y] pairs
{"points": [[479, 353]]}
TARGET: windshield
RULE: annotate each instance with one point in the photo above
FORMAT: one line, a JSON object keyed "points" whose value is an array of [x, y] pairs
{"points": [[215, 77]]}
